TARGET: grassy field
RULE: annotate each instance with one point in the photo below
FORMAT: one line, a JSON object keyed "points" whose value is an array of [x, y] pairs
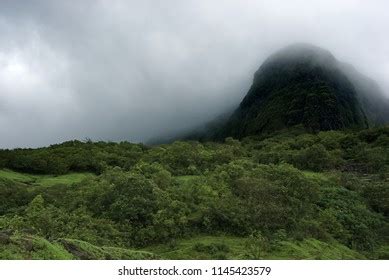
{"points": [[43, 180], [230, 247], [202, 247], [312, 249], [22, 246]]}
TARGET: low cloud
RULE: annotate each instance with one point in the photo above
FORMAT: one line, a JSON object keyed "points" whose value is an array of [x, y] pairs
{"points": [[136, 70]]}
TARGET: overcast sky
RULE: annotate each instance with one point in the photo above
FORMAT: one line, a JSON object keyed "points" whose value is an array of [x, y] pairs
{"points": [[135, 70]]}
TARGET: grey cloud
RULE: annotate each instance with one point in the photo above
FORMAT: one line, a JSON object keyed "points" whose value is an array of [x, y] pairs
{"points": [[135, 70]]}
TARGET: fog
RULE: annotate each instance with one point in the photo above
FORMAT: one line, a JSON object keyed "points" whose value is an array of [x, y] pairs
{"points": [[135, 70]]}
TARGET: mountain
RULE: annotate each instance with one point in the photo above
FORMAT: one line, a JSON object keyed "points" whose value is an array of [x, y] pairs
{"points": [[374, 103], [306, 85]]}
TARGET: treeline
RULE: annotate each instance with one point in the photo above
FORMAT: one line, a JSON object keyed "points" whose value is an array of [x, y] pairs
{"points": [[72, 156], [364, 151]]}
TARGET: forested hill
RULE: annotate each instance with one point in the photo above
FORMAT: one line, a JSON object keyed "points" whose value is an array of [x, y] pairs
{"points": [[291, 195], [304, 84]]}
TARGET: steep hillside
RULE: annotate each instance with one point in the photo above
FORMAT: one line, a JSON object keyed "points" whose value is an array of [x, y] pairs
{"points": [[300, 84]]}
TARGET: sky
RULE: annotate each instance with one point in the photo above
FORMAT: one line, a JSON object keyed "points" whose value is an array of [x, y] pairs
{"points": [[118, 70]]}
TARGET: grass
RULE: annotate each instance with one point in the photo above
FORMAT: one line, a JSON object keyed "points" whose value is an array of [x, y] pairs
{"points": [[84, 250], [43, 180], [312, 249], [229, 247], [23, 246], [67, 179], [16, 176], [383, 253], [202, 247], [31, 247], [18, 246]]}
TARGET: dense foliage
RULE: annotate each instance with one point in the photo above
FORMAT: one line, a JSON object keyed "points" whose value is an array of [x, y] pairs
{"points": [[288, 195]]}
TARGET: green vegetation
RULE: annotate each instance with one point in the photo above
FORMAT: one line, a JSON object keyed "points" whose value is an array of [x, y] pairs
{"points": [[17, 246], [289, 195], [86, 251], [24, 246], [44, 180], [202, 247], [313, 249]]}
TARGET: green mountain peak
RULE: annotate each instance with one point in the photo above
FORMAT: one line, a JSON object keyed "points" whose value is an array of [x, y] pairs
{"points": [[298, 85]]}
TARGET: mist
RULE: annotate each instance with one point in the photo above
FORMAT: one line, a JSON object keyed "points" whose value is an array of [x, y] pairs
{"points": [[137, 70]]}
